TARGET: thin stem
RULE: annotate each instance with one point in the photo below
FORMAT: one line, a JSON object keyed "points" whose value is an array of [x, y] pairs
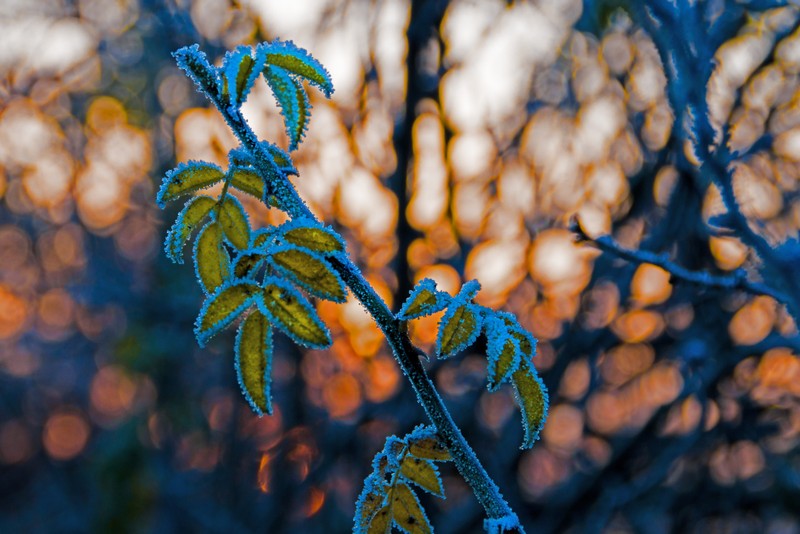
{"points": [[736, 280], [407, 355]]}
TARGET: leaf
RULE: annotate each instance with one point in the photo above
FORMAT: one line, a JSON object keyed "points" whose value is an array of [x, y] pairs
{"points": [[369, 501], [223, 307], [254, 361], [406, 510], [310, 271], [192, 214], [503, 352], [430, 448], [423, 300], [527, 343], [241, 71], [423, 473], [211, 261], [298, 61], [292, 99], [187, 178], [311, 235], [260, 237], [458, 329], [233, 221], [533, 401], [247, 263], [194, 62], [248, 181], [282, 158], [290, 311], [381, 522]]}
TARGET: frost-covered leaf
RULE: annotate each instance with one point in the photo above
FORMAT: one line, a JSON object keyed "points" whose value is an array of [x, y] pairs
{"points": [[288, 309], [311, 235], [381, 522], [254, 361], [282, 158], [503, 350], [192, 214], [461, 324], [187, 178], [247, 263], [211, 261], [248, 181], [406, 510], [309, 270], [533, 401], [261, 237], [222, 307], [423, 300], [423, 473], [240, 72], [504, 358], [196, 65], [369, 501], [293, 101], [430, 448], [298, 61], [527, 343], [233, 221]]}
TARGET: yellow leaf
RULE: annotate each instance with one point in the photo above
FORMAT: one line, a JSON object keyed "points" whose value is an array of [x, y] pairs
{"points": [[504, 363], [187, 178], [407, 512], [254, 361], [430, 448], [312, 272], [381, 522], [314, 238], [223, 307], [248, 181], [422, 473], [210, 258], [245, 264], [295, 315], [458, 330], [533, 401], [234, 223]]}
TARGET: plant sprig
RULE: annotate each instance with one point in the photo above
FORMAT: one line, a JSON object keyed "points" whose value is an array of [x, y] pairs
{"points": [[260, 278]]}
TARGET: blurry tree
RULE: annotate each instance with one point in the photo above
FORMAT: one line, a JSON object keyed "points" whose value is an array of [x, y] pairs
{"points": [[463, 140]]}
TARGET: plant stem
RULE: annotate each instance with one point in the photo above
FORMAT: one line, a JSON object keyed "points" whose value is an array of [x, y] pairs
{"points": [[407, 355]]}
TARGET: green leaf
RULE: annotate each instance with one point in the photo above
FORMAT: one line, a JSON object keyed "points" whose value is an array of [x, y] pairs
{"points": [[314, 237], [424, 299], [298, 62], [423, 473], [289, 310], [223, 307], [533, 401], [211, 261], [293, 101], [406, 510], [311, 271], [430, 448], [254, 361], [233, 221], [192, 214], [458, 329], [248, 181], [186, 179]]}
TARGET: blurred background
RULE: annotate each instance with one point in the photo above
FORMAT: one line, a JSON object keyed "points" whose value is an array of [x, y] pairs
{"points": [[461, 140]]}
